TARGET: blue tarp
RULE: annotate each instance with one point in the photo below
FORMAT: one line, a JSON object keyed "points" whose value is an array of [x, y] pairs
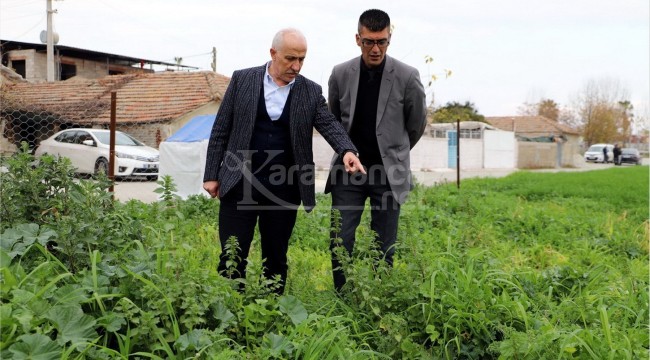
{"points": [[196, 130]]}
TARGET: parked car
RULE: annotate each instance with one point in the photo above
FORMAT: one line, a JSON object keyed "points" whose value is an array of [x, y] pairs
{"points": [[595, 153], [88, 150], [630, 156]]}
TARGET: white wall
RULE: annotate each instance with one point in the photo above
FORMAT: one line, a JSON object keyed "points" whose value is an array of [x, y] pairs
{"points": [[500, 149], [428, 154], [497, 149], [471, 153]]}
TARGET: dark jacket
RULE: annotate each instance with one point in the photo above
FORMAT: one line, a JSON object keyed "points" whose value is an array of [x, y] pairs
{"points": [[233, 129]]}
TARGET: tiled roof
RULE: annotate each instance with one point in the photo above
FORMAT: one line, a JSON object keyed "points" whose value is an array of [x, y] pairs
{"points": [[530, 125], [141, 98]]}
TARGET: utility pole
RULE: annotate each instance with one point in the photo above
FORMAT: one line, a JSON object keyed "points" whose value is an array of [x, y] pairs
{"points": [[50, 42], [214, 59]]}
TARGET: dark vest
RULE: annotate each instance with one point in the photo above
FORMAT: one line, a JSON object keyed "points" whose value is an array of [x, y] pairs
{"points": [[271, 141]]}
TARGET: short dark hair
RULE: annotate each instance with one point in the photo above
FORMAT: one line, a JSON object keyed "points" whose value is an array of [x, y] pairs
{"points": [[374, 20]]}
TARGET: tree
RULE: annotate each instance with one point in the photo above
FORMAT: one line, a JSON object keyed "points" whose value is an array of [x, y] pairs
{"points": [[454, 111], [603, 111], [432, 78], [624, 120], [544, 107], [548, 109]]}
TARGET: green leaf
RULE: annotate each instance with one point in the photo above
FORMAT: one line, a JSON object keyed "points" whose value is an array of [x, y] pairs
{"points": [[7, 280], [5, 259], [291, 306], [29, 232], [194, 340], [74, 326], [70, 295], [36, 347], [112, 322], [278, 344], [9, 238], [222, 313]]}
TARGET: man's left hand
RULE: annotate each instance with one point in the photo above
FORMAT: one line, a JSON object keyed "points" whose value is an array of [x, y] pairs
{"points": [[352, 163]]}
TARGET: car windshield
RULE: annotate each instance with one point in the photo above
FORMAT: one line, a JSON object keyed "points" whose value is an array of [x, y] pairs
{"points": [[120, 139], [628, 151], [595, 148]]}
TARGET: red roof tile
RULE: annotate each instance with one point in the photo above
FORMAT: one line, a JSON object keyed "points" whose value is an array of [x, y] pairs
{"points": [[530, 125], [141, 98]]}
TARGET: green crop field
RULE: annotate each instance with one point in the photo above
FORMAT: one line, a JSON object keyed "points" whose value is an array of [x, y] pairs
{"points": [[530, 266]]}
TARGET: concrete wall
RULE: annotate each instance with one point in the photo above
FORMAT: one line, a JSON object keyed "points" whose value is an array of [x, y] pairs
{"points": [[537, 155], [150, 134], [36, 66]]}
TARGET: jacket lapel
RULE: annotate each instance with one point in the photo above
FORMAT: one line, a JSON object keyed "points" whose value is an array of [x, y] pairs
{"points": [[353, 74], [255, 87], [296, 110]]}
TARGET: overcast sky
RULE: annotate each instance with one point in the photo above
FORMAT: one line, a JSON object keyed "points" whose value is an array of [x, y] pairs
{"points": [[501, 53]]}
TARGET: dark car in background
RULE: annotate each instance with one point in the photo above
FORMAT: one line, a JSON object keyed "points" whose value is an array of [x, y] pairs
{"points": [[630, 156]]}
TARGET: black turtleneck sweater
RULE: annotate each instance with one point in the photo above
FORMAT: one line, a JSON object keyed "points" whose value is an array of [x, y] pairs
{"points": [[364, 125]]}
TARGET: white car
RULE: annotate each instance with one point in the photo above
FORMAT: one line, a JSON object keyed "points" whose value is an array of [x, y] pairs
{"points": [[88, 150], [595, 153]]}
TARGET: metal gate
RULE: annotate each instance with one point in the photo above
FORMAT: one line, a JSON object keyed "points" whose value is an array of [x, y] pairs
{"points": [[452, 146]]}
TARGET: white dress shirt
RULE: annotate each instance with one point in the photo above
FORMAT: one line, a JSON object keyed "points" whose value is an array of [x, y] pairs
{"points": [[275, 96]]}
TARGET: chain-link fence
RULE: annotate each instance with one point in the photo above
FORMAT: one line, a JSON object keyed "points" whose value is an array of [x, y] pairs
{"points": [[72, 118]]}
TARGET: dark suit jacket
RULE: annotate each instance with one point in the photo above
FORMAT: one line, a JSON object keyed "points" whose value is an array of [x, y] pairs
{"points": [[401, 115], [233, 129]]}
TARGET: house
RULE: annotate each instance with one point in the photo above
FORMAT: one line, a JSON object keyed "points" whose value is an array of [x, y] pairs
{"points": [[542, 142], [481, 147], [149, 106], [477, 146], [29, 60]]}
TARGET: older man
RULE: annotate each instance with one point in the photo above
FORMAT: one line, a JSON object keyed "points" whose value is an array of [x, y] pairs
{"points": [[260, 159]]}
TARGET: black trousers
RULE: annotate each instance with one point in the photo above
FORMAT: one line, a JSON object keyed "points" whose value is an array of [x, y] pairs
{"points": [[349, 194], [271, 206]]}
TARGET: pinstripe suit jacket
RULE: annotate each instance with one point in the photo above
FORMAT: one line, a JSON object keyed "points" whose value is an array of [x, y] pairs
{"points": [[233, 129]]}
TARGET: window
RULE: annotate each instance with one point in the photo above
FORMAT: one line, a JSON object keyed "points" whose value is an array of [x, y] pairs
{"points": [[82, 136], [19, 67], [68, 71], [66, 137], [470, 133], [440, 134]]}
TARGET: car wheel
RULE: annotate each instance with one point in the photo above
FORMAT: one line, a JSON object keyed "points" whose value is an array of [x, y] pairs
{"points": [[101, 166]]}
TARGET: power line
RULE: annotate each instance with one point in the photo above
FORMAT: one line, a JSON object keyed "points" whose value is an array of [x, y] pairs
{"points": [[32, 28], [20, 3], [190, 56]]}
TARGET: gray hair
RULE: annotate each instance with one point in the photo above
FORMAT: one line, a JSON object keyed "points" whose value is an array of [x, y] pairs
{"points": [[278, 39]]}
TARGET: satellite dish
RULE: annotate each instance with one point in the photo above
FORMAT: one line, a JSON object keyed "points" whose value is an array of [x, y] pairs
{"points": [[55, 37]]}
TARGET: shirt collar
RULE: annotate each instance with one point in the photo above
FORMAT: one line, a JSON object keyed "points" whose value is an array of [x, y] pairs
{"points": [[379, 68], [269, 79]]}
